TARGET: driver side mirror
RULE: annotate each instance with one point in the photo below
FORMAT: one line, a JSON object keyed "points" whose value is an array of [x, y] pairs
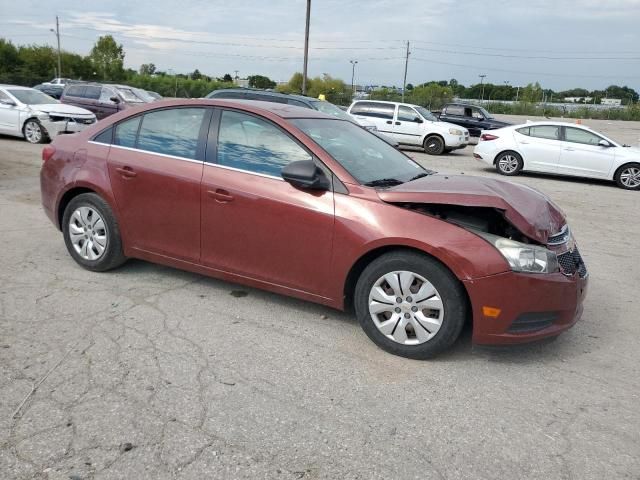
{"points": [[305, 174], [417, 120], [604, 143], [7, 101], [115, 99]]}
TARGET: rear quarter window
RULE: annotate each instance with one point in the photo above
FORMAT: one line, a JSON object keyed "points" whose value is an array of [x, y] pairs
{"points": [[373, 109]]}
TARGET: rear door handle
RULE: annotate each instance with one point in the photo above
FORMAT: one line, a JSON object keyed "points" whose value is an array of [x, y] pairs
{"points": [[568, 149], [126, 172], [398, 123], [220, 195], [525, 143], [389, 122]]}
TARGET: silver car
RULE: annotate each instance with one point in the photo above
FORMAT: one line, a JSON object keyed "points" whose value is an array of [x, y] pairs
{"points": [[29, 113]]}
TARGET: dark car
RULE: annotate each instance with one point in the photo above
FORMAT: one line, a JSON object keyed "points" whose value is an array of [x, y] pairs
{"points": [[473, 118], [300, 203], [298, 101], [103, 99], [50, 89]]}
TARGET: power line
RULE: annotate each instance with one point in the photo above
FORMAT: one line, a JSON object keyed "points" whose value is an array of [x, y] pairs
{"points": [[539, 57]]}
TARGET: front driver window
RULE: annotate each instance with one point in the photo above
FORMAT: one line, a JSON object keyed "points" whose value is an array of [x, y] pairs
{"points": [[407, 114], [248, 143], [577, 135]]}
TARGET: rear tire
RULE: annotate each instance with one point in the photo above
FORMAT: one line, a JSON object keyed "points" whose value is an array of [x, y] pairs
{"points": [[91, 233], [419, 315], [628, 176], [509, 163], [433, 145]]}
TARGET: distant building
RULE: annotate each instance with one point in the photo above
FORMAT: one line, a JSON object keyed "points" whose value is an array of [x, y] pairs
{"points": [[578, 99], [612, 102], [241, 82]]}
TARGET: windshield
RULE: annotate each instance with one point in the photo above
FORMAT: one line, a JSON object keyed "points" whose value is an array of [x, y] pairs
{"points": [[129, 96], [427, 114], [370, 160], [143, 94], [331, 109], [32, 97], [485, 113]]}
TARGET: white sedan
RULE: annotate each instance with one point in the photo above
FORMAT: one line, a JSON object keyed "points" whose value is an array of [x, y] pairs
{"points": [[29, 113], [559, 148]]}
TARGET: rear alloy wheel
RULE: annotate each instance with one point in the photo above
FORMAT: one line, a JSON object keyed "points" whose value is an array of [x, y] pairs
{"points": [[628, 176], [509, 163], [434, 145], [91, 233], [34, 132], [410, 304]]}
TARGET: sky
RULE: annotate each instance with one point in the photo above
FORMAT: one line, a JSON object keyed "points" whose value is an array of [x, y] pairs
{"points": [[560, 43]]}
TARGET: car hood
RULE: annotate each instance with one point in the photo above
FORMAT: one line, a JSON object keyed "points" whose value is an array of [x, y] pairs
{"points": [[529, 210], [61, 109], [633, 152], [498, 123]]}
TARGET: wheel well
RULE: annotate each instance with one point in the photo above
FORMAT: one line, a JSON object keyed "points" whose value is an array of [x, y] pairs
{"points": [[67, 197], [25, 122], [506, 151], [615, 174], [367, 258]]}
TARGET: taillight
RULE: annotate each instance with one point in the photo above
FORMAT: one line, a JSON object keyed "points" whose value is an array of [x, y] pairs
{"points": [[487, 136], [47, 152]]}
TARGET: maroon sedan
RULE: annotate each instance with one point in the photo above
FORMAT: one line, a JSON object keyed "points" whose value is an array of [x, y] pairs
{"points": [[299, 203]]}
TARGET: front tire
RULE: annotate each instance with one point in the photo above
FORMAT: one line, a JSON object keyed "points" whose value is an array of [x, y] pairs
{"points": [[410, 305], [628, 176], [434, 145], [91, 233], [509, 163], [34, 132]]}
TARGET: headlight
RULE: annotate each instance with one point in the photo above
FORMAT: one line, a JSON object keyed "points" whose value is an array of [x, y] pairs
{"points": [[523, 257], [455, 131]]}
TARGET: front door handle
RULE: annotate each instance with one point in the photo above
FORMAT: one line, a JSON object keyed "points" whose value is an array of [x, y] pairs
{"points": [[398, 123], [126, 172], [220, 195], [389, 122], [569, 149]]}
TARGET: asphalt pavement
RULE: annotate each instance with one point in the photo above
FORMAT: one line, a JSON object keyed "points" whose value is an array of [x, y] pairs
{"points": [[148, 372]]}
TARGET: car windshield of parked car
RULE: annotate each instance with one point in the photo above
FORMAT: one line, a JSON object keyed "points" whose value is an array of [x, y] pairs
{"points": [[486, 114], [331, 109], [129, 95], [32, 97], [427, 114], [370, 160]]}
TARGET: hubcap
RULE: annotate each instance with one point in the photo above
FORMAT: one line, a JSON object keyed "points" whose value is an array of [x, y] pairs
{"points": [[406, 307], [33, 132], [630, 177], [508, 163], [433, 145], [88, 233]]}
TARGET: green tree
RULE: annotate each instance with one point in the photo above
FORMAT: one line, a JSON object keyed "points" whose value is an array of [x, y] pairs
{"points": [[431, 95], [227, 78], [147, 69], [260, 81], [532, 93], [9, 61], [196, 75], [107, 58]]}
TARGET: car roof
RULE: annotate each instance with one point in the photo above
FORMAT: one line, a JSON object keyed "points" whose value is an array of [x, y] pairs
{"points": [[303, 98], [388, 102], [14, 87]]}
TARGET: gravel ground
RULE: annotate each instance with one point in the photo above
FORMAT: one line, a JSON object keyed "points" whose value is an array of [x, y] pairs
{"points": [[153, 373]]}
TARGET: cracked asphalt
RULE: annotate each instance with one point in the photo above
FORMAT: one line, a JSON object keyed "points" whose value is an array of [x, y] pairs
{"points": [[152, 373]]}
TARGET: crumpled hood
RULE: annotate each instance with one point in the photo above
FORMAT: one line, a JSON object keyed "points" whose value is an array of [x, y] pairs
{"points": [[529, 210], [61, 109]]}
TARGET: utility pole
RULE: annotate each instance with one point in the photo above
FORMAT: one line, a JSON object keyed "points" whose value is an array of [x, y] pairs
{"points": [[353, 75], [406, 65], [517, 93], [482, 85], [306, 49], [57, 32]]}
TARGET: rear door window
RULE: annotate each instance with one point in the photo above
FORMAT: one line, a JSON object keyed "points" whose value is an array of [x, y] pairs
{"points": [[455, 110], [548, 132], [127, 132], [92, 92], [75, 91], [173, 132]]}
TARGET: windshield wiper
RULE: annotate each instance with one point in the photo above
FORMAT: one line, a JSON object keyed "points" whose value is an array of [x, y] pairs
{"points": [[384, 182], [423, 174]]}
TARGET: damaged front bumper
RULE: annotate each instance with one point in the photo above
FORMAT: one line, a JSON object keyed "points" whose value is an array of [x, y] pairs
{"points": [[56, 125]]}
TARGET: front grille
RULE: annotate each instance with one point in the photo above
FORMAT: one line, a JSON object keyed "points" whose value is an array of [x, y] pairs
{"points": [[571, 262], [559, 238]]}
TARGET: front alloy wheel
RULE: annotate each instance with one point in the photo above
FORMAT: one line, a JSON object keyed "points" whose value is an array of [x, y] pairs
{"points": [[33, 132], [628, 177]]}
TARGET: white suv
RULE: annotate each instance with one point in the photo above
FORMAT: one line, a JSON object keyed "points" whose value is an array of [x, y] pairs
{"points": [[411, 125]]}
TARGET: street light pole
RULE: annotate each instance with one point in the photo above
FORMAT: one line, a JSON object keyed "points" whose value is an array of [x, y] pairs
{"points": [[57, 32], [482, 85], [353, 75], [406, 65], [306, 49]]}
